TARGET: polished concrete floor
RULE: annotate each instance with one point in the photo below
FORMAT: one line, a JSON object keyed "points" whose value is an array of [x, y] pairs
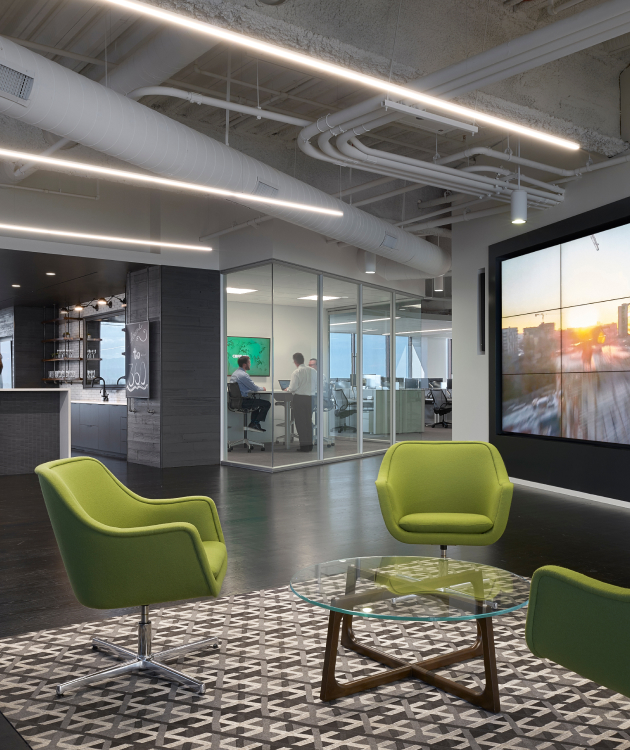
{"points": [[276, 523]]}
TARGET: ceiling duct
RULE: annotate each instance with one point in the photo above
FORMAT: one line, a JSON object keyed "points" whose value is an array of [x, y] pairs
{"points": [[72, 106]]}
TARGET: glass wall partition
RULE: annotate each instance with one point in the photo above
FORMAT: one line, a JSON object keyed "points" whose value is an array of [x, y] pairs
{"points": [[317, 364], [249, 416], [295, 337], [340, 397], [376, 370], [411, 385]]}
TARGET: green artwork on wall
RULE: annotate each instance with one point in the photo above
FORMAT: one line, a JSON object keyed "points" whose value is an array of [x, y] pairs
{"points": [[256, 349]]}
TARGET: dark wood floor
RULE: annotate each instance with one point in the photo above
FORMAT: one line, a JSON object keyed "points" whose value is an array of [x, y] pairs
{"points": [[274, 524]]}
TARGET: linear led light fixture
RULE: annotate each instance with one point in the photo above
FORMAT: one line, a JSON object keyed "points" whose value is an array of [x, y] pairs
{"points": [[164, 182], [101, 237], [322, 66], [422, 114], [238, 290], [324, 298], [354, 322]]}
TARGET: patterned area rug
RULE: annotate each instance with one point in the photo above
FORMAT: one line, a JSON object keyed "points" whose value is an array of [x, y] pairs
{"points": [[263, 686]]}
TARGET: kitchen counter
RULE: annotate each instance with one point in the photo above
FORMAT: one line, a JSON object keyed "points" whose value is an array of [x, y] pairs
{"points": [[99, 432], [35, 427], [101, 403]]}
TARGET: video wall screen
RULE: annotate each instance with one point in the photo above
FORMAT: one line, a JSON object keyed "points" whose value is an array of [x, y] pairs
{"points": [[566, 341]]}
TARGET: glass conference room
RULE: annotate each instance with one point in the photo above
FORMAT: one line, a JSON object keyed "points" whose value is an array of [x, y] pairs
{"points": [[344, 330]]}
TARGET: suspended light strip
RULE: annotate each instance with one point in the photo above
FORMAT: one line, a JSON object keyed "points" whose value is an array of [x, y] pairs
{"points": [[101, 237], [288, 55], [164, 182]]}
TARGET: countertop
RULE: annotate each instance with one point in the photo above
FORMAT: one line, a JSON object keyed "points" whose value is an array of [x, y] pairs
{"points": [[102, 403], [34, 390]]}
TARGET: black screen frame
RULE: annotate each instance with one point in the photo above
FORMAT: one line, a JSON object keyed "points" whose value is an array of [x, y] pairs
{"points": [[587, 466]]}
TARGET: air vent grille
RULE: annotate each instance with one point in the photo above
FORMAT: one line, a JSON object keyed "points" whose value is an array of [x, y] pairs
{"points": [[14, 83], [389, 241], [265, 191]]}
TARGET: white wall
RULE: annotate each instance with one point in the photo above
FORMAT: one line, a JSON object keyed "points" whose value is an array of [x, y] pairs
{"points": [[470, 253], [294, 329]]}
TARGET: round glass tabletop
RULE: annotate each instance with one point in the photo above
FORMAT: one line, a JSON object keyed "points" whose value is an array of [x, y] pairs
{"points": [[411, 588]]}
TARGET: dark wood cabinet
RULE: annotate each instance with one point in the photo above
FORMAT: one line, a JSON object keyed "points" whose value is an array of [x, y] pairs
{"points": [[100, 429]]}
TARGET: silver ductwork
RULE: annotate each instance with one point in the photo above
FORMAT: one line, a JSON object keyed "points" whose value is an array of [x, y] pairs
{"points": [[74, 107]]}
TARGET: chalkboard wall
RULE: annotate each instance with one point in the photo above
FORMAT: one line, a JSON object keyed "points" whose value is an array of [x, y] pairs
{"points": [[137, 350]]}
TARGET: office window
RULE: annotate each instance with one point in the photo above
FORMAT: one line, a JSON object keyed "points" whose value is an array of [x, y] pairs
{"points": [[340, 355], [375, 355], [402, 357]]}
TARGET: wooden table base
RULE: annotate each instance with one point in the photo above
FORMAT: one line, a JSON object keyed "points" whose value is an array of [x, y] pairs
{"points": [[423, 670]]}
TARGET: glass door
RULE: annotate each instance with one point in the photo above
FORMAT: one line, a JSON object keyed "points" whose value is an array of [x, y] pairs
{"points": [[376, 369]]}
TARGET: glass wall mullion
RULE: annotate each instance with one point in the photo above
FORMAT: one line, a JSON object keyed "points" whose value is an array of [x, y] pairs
{"points": [[223, 365], [359, 368], [320, 368], [392, 368]]}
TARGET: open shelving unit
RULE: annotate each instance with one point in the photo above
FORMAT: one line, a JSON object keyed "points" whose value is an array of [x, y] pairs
{"points": [[62, 349]]}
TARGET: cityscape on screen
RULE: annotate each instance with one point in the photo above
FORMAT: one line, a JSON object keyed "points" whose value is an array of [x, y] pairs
{"points": [[565, 340]]}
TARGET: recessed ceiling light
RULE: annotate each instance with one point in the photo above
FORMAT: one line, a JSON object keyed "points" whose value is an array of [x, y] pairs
{"points": [[322, 66], [164, 182], [236, 290], [326, 299], [50, 273], [16, 286], [101, 237]]}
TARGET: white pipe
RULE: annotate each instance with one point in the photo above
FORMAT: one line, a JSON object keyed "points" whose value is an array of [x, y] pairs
{"points": [[384, 196], [72, 106], [235, 228], [191, 96], [553, 9], [576, 33]]}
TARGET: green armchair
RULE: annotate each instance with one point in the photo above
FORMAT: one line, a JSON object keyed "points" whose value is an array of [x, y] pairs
{"points": [[444, 492], [581, 624], [123, 550]]}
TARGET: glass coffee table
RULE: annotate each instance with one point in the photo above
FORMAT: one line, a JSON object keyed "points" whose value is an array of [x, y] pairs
{"points": [[411, 589]]}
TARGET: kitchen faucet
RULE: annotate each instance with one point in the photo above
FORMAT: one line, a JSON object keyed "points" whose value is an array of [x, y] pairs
{"points": [[104, 391]]}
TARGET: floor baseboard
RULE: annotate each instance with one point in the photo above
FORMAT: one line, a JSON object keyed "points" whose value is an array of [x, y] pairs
{"points": [[571, 493]]}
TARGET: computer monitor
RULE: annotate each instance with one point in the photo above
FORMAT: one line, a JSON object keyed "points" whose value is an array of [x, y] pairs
{"points": [[449, 383], [284, 384], [424, 383], [411, 383]]}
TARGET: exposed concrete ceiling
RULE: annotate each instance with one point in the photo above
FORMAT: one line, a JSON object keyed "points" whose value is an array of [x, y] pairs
{"points": [[577, 95]]}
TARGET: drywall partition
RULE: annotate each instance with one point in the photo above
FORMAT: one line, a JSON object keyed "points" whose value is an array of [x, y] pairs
{"points": [[594, 469]]}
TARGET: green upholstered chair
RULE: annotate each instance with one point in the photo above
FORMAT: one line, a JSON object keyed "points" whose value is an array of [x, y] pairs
{"points": [[123, 550], [582, 624], [444, 492]]}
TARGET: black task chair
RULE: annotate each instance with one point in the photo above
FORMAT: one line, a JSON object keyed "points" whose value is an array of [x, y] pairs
{"points": [[441, 407], [343, 411], [235, 404]]}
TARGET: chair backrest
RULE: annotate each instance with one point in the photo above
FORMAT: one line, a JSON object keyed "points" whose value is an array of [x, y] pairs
{"points": [[439, 397], [340, 399], [82, 497], [442, 477], [235, 399]]}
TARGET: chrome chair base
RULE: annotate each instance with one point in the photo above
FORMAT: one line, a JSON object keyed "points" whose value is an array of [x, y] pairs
{"points": [[143, 660]]}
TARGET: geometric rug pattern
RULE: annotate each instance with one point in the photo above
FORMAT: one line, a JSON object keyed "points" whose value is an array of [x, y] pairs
{"points": [[262, 687]]}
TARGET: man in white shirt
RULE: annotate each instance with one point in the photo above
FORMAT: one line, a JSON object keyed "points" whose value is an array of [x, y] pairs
{"points": [[259, 406], [303, 386]]}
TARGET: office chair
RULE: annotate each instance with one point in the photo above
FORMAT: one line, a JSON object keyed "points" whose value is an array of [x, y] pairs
{"points": [[343, 411], [444, 492], [123, 550], [581, 624], [235, 404], [441, 407]]}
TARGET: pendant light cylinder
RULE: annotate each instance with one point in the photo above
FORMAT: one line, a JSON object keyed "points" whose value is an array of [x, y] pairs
{"points": [[519, 207], [370, 262]]}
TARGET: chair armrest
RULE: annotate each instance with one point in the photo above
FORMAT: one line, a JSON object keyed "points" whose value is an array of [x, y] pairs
{"points": [[124, 567], [582, 624], [199, 511]]}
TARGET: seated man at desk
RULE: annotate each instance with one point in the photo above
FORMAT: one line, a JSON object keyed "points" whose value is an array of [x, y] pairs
{"points": [[303, 386], [259, 406]]}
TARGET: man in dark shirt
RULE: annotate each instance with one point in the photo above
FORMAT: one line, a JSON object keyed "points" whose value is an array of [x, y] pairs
{"points": [[259, 406]]}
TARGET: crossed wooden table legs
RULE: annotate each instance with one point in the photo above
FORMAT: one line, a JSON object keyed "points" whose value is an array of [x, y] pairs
{"points": [[423, 670]]}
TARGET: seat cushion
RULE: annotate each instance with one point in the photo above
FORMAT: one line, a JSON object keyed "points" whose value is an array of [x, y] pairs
{"points": [[217, 556], [452, 523]]}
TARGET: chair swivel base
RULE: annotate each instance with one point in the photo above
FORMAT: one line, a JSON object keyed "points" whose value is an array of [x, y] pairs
{"points": [[142, 660]]}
